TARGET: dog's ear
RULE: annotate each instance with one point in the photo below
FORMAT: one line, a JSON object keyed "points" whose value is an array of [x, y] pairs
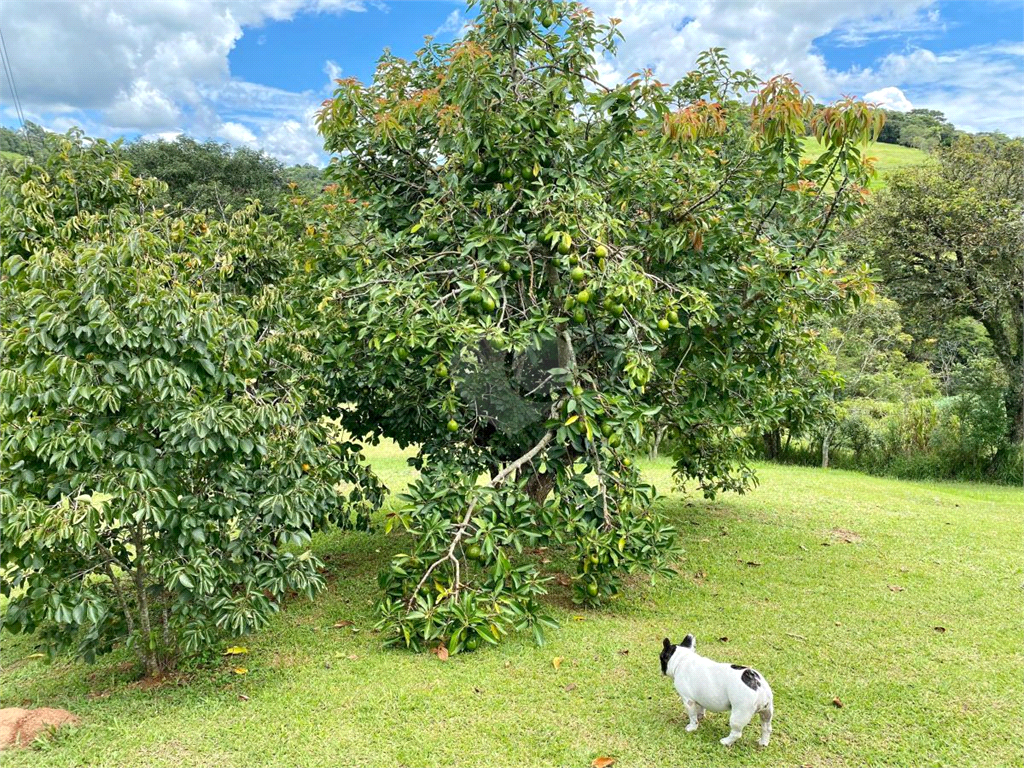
{"points": [[688, 641], [667, 644]]}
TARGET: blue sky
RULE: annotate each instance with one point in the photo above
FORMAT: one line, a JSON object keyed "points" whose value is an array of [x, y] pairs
{"points": [[252, 72]]}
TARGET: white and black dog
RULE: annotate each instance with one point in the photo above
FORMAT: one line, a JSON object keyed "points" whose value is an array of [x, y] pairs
{"points": [[704, 684]]}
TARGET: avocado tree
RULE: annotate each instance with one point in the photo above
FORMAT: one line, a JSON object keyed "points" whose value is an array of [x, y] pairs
{"points": [[546, 265], [160, 476]]}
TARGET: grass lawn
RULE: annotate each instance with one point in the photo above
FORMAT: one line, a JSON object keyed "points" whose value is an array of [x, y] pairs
{"points": [[888, 157], [831, 584]]}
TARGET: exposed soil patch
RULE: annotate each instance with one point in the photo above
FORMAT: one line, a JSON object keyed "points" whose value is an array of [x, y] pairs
{"points": [[841, 534], [19, 727]]}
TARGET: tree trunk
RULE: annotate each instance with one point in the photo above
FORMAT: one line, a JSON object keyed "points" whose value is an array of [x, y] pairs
{"points": [[539, 486], [772, 444], [659, 435], [825, 439], [152, 667]]}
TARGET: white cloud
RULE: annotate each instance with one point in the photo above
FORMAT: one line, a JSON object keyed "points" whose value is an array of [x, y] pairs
{"points": [[144, 108], [159, 68], [161, 136], [453, 25], [333, 72], [236, 133], [295, 142], [890, 97], [150, 67], [979, 88]]}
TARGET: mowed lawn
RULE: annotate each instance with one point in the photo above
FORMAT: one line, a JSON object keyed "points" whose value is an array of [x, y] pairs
{"points": [[888, 157], [901, 601]]}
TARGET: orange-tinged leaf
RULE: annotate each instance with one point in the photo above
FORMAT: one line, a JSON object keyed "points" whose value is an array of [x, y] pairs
{"points": [[442, 653], [556, 662], [602, 762]]}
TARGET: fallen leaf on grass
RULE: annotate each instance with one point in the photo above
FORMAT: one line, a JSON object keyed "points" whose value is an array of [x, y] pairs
{"points": [[242, 697], [895, 588], [441, 652], [353, 657], [579, 618], [236, 650], [837, 703], [753, 564], [803, 548], [240, 671], [624, 652], [343, 623], [556, 662], [940, 630], [563, 580], [570, 688], [602, 762], [723, 639]]}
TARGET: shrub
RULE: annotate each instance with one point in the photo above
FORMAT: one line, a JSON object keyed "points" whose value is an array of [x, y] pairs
{"points": [[160, 481]]}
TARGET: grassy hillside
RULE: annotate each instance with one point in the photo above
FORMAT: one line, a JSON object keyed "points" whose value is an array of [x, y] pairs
{"points": [[9, 156], [899, 599], [889, 157]]}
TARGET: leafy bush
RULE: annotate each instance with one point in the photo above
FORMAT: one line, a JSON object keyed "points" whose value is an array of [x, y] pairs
{"points": [[160, 477]]}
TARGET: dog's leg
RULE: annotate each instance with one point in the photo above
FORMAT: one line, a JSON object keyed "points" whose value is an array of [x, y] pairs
{"points": [[737, 721], [695, 711], [766, 725]]}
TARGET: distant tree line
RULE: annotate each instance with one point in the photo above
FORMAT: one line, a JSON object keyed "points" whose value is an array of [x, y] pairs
{"points": [[200, 175]]}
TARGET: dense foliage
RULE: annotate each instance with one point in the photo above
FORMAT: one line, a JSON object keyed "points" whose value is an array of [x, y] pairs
{"points": [[160, 477], [207, 176], [925, 129], [947, 240], [548, 264]]}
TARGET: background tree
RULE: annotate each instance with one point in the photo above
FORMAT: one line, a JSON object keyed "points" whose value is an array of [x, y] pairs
{"points": [[160, 478], [947, 239], [925, 129], [548, 263], [207, 175]]}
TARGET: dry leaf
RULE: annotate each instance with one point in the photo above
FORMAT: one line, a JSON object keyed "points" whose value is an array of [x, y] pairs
{"points": [[895, 588], [940, 630], [236, 650], [242, 697], [579, 618], [353, 657], [570, 688], [240, 670], [753, 564], [564, 580], [345, 623], [442, 653], [837, 703], [556, 662], [602, 762], [803, 548], [723, 639], [624, 652]]}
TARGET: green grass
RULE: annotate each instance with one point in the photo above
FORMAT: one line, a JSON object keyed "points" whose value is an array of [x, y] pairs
{"points": [[888, 157], [816, 616]]}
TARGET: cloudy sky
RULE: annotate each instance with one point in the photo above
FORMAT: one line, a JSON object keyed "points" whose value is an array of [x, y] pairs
{"points": [[252, 72]]}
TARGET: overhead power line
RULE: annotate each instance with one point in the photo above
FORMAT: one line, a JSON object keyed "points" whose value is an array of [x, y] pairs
{"points": [[6, 61]]}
